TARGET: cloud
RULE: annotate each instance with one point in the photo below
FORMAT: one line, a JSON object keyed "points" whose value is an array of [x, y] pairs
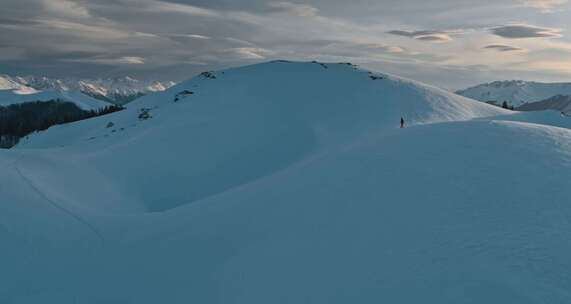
{"points": [[238, 41], [250, 52], [10, 53], [435, 38], [386, 48], [69, 28], [520, 31], [16, 23], [424, 35], [301, 10], [130, 60], [546, 6], [66, 8], [556, 66], [196, 36], [504, 48], [186, 37], [230, 55], [158, 6], [127, 60], [173, 38]]}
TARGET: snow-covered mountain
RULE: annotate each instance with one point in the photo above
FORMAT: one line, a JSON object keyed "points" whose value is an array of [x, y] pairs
{"points": [[6, 83], [9, 84], [289, 182], [516, 92], [13, 93], [561, 103], [41, 109], [120, 90]]}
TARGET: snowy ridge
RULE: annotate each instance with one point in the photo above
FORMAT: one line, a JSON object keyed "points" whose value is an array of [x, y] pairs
{"points": [[343, 100], [291, 182], [516, 92]]}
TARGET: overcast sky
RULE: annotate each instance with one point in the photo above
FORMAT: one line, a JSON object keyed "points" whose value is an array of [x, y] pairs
{"points": [[449, 43]]}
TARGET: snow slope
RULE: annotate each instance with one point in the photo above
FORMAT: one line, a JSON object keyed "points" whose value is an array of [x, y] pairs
{"points": [[559, 103], [318, 105], [8, 97], [291, 182], [516, 92]]}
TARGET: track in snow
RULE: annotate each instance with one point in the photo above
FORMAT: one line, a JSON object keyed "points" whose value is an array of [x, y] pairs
{"points": [[77, 217]]}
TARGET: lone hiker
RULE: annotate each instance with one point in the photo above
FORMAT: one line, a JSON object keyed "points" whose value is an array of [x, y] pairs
{"points": [[401, 122]]}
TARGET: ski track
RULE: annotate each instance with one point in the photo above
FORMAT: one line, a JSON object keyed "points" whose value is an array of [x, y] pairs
{"points": [[77, 217]]}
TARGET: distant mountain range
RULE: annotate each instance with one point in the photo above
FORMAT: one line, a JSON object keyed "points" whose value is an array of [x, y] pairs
{"points": [[516, 93], [119, 90], [82, 101]]}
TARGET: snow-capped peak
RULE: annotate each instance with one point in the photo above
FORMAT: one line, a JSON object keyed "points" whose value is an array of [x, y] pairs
{"points": [[8, 83], [117, 90], [13, 85]]}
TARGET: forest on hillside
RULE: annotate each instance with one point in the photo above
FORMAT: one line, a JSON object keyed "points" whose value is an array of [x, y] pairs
{"points": [[19, 120]]}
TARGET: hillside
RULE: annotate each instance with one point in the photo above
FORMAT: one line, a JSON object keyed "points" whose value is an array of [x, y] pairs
{"points": [[289, 182], [517, 92], [375, 102], [559, 103]]}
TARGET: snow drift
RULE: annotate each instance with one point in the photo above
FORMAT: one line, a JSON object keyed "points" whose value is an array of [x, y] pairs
{"points": [[290, 182]]}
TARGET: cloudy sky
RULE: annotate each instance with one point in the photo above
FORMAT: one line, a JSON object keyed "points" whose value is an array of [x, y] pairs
{"points": [[450, 43]]}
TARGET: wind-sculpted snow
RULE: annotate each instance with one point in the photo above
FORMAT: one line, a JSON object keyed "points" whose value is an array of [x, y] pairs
{"points": [[289, 183]]}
